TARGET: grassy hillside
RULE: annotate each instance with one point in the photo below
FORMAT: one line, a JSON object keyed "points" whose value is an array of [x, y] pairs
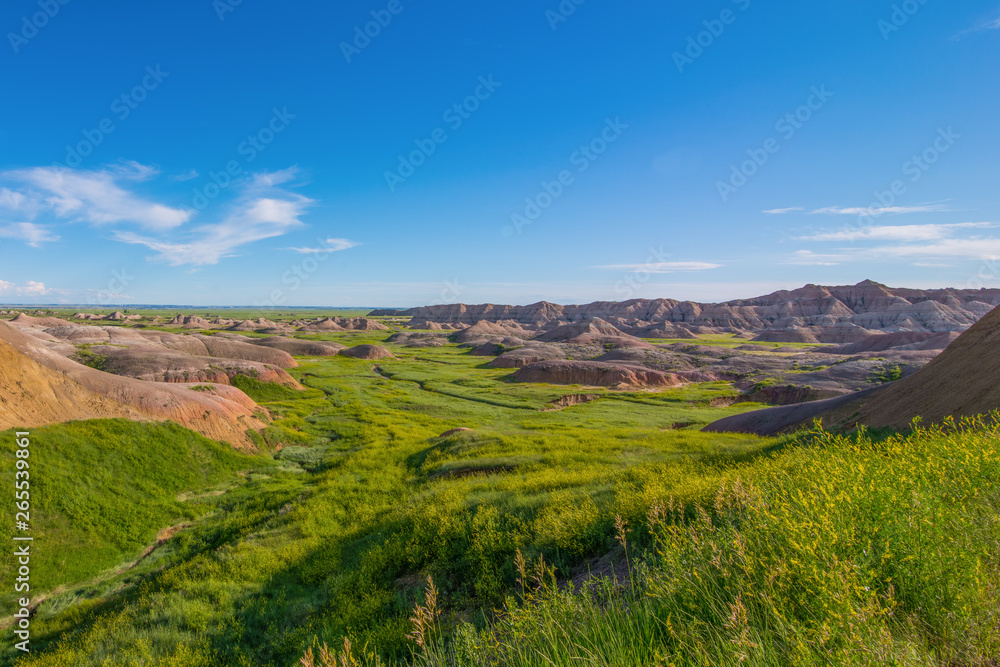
{"points": [[364, 500], [101, 490], [817, 550], [837, 551]]}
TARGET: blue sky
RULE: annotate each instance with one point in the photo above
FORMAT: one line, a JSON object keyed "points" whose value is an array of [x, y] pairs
{"points": [[215, 153]]}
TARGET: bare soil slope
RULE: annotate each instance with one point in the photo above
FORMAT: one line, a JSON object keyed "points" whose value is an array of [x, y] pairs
{"points": [[594, 374], [960, 382], [32, 395], [35, 379]]}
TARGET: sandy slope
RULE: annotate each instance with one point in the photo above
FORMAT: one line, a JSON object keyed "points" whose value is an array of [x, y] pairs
{"points": [[961, 382], [38, 386]]}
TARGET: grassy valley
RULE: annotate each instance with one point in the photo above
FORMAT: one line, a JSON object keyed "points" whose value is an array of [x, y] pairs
{"points": [[164, 548]]}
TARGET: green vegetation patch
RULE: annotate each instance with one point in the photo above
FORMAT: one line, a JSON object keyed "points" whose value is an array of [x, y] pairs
{"points": [[86, 356], [730, 549], [263, 392], [101, 490]]}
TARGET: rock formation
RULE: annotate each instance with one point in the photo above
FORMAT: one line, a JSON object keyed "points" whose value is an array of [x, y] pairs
{"points": [[960, 382], [367, 352], [842, 314], [595, 374], [39, 386]]}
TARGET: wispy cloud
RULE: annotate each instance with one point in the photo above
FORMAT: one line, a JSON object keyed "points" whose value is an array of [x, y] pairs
{"points": [[898, 232], [982, 26], [974, 249], [186, 176], [810, 258], [263, 211], [863, 210], [30, 288], [32, 234], [661, 267], [271, 179], [860, 211], [96, 197], [328, 245], [927, 245], [262, 207]]}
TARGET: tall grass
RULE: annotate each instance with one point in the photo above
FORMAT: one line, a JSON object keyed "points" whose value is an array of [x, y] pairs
{"points": [[727, 548], [844, 550]]}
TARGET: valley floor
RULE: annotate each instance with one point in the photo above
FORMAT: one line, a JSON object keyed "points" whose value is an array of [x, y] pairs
{"points": [[160, 547]]}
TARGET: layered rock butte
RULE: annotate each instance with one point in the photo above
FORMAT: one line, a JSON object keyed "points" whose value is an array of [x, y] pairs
{"points": [[812, 313], [40, 386], [958, 383]]}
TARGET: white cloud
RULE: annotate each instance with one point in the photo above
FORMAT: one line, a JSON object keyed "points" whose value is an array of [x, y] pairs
{"points": [[32, 234], [133, 171], [932, 242], [267, 180], [328, 245], [186, 176], [898, 232], [262, 209], [991, 24], [27, 206], [662, 267], [96, 197], [252, 219], [863, 210], [28, 289], [944, 249], [10, 199], [809, 258], [876, 211]]}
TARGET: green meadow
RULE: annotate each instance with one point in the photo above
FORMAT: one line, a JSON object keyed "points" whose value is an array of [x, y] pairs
{"points": [[360, 519]]}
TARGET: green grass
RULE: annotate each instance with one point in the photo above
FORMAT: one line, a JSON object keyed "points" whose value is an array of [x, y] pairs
{"points": [[100, 493], [86, 356], [838, 551], [885, 373], [364, 498], [363, 501]]}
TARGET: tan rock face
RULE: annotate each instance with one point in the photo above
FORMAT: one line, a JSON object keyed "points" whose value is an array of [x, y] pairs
{"points": [[150, 343], [367, 352], [900, 340], [594, 374], [343, 324], [39, 386], [527, 355], [300, 348], [489, 331]]}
